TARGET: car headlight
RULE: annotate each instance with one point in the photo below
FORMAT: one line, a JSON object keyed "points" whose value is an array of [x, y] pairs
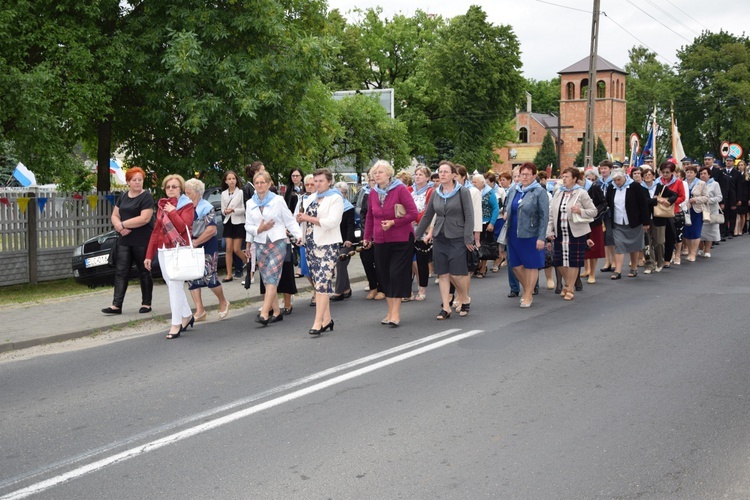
{"points": [[78, 251]]}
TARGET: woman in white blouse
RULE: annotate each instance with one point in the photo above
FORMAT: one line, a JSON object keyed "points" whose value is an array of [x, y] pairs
{"points": [[233, 209], [267, 221], [321, 220]]}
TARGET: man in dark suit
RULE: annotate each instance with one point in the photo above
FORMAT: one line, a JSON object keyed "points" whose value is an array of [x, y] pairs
{"points": [[735, 178], [719, 175]]}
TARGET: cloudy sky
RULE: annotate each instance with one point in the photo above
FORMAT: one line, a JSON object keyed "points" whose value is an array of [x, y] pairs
{"points": [[557, 33]]}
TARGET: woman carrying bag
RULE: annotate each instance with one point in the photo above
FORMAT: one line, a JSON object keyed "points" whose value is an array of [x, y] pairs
{"points": [[174, 219]]}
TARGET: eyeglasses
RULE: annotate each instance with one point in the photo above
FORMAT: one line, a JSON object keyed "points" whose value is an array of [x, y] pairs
{"points": [[172, 186]]}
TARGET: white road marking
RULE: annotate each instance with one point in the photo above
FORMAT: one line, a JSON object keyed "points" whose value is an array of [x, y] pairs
{"points": [[226, 419]]}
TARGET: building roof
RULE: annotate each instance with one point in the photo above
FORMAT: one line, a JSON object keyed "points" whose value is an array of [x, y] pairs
{"points": [[547, 121], [582, 66]]}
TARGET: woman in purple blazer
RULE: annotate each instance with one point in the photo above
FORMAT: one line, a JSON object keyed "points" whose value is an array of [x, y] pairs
{"points": [[391, 211]]}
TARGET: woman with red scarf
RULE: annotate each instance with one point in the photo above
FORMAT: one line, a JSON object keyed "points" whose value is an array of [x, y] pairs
{"points": [[174, 218]]}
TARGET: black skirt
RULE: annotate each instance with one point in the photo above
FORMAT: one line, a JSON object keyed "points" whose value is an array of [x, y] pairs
{"points": [[393, 266]]}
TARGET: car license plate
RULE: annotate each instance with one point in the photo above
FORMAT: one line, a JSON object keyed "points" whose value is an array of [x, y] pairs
{"points": [[99, 260]]}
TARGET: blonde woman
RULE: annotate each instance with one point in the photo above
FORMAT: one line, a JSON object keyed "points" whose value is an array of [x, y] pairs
{"points": [[267, 220]]}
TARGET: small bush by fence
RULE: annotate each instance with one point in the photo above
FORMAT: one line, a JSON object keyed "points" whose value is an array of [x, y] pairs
{"points": [[39, 228]]}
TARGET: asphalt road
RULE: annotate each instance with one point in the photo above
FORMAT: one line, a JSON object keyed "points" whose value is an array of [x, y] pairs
{"points": [[637, 389]]}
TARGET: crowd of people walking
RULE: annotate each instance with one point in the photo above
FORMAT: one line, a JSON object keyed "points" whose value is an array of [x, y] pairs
{"points": [[410, 227]]}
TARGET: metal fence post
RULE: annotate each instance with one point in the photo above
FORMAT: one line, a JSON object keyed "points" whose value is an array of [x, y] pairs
{"points": [[32, 243]]}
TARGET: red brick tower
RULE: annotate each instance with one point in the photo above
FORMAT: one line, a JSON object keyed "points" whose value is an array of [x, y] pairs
{"points": [[609, 114]]}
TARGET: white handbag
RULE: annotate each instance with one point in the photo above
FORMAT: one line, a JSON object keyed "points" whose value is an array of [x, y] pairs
{"points": [[184, 263], [578, 218]]}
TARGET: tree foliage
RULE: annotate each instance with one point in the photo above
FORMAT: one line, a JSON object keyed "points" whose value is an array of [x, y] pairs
{"points": [[600, 153], [547, 154], [650, 86], [713, 95], [59, 64], [465, 88], [545, 96]]}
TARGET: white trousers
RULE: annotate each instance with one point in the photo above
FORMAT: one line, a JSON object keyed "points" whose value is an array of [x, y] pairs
{"points": [[178, 301]]}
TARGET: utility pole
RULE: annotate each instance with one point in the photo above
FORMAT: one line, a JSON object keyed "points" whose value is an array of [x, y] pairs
{"points": [[591, 95]]}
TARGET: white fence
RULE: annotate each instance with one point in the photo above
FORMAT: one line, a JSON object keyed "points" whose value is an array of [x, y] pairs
{"points": [[39, 228]]}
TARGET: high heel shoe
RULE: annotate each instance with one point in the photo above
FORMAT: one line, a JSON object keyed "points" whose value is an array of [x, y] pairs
{"points": [[315, 331], [329, 326], [223, 314], [190, 323]]}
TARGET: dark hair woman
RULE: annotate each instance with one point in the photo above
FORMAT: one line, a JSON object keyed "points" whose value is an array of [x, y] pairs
{"points": [[233, 209], [570, 234]]}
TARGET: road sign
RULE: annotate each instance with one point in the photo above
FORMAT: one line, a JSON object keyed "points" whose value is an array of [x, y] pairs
{"points": [[735, 150], [724, 149]]}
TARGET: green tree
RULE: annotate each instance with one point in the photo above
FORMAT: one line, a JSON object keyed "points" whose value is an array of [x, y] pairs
{"points": [[216, 85], [59, 64], [365, 132], [650, 86], [545, 96], [600, 153], [547, 155], [465, 88], [713, 95]]}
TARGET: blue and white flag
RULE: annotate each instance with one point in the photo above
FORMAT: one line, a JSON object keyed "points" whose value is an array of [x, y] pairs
{"points": [[23, 175], [648, 148]]}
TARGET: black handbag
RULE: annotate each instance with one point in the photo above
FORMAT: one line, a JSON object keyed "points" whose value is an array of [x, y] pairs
{"points": [[489, 250], [472, 259]]}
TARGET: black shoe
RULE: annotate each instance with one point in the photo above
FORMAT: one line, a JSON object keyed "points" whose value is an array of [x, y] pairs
{"points": [[276, 319], [190, 323], [312, 302], [578, 287], [393, 324], [336, 298], [512, 294], [144, 309], [286, 311], [263, 321], [347, 294], [171, 336], [536, 291], [607, 269], [313, 331], [109, 310], [329, 326], [558, 289]]}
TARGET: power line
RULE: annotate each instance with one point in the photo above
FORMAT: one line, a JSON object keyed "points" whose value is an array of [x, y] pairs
{"points": [[688, 15], [650, 2], [564, 6], [637, 39], [652, 17]]}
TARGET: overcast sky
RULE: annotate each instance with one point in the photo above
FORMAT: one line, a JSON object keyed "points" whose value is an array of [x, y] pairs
{"points": [[555, 36]]}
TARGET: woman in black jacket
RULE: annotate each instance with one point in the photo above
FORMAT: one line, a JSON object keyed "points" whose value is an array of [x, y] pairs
{"points": [[343, 289], [630, 215]]}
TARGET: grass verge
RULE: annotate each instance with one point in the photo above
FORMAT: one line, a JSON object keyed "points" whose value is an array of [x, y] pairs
{"points": [[20, 294]]}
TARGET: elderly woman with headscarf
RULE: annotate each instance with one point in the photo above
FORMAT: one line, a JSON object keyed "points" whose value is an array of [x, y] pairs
{"points": [[630, 216], [421, 192], [267, 220], [174, 219], [711, 231], [204, 236], [571, 212], [391, 212], [490, 211]]}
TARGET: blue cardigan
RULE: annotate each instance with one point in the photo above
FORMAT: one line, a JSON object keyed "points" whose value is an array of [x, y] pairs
{"points": [[533, 213]]}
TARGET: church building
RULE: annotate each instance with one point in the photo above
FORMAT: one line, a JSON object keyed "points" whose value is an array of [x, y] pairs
{"points": [[609, 117]]}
